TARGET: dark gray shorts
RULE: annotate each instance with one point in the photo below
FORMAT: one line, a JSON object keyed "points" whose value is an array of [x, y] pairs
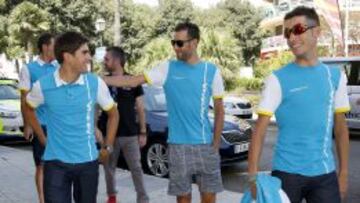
{"points": [[201, 162]]}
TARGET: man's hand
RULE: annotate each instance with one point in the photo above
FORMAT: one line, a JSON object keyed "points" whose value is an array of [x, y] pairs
{"points": [[253, 190], [343, 184], [142, 140], [28, 133], [104, 156]]}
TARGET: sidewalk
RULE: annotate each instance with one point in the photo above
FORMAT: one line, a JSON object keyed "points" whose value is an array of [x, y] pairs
{"points": [[17, 182]]}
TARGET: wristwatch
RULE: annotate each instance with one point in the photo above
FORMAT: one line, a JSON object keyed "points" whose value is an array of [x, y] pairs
{"points": [[109, 148]]}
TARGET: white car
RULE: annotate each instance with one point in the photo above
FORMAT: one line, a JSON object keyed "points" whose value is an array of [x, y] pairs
{"points": [[10, 115], [237, 106], [351, 67]]}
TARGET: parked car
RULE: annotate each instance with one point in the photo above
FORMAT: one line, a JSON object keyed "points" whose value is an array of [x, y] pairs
{"points": [[351, 67], [237, 106], [10, 115], [234, 139]]}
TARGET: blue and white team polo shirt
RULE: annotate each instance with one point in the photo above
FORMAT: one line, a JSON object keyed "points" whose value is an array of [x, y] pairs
{"points": [[31, 73], [304, 100], [70, 115], [188, 90]]}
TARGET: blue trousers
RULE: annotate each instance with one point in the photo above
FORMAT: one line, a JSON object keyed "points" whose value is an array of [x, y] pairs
{"points": [[62, 178], [316, 189]]}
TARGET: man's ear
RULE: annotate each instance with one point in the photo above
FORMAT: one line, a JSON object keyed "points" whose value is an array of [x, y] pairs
{"points": [[67, 56]]}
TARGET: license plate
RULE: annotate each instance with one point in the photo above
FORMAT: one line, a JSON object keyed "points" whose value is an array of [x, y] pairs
{"points": [[241, 148]]}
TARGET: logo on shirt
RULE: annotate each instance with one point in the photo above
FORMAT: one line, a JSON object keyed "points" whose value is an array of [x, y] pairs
{"points": [[298, 89]]}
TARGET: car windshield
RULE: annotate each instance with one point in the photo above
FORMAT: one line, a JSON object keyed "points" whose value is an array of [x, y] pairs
{"points": [[8, 92], [351, 69], [155, 99]]}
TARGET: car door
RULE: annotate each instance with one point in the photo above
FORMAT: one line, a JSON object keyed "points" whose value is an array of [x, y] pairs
{"points": [[352, 69]]}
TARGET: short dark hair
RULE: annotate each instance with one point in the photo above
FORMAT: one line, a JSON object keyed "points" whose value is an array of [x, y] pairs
{"points": [[68, 42], [191, 28], [118, 53], [44, 39], [309, 13]]}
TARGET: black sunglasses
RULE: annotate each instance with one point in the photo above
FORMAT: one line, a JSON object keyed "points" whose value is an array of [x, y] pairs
{"points": [[298, 29], [179, 43]]}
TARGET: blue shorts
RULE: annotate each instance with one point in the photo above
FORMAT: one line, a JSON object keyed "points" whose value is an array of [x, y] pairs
{"points": [[38, 149], [314, 189]]}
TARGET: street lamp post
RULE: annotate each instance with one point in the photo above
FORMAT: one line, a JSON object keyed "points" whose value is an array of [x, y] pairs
{"points": [[100, 27]]}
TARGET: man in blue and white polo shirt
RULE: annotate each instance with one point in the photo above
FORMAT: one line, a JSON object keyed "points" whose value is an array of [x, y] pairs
{"points": [[189, 84], [32, 72], [309, 100], [69, 96]]}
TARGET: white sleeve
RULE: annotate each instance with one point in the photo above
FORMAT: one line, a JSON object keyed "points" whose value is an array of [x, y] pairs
{"points": [[24, 77], [35, 97], [157, 75], [341, 97], [218, 85], [104, 98], [271, 96]]}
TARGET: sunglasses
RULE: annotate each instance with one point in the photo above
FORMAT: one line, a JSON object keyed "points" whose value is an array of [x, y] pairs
{"points": [[179, 43], [298, 29]]}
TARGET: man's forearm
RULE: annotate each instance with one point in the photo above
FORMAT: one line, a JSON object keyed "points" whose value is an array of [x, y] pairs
{"points": [[142, 121], [112, 126], [30, 115], [219, 121], [256, 144], [23, 103], [124, 81], [342, 142]]}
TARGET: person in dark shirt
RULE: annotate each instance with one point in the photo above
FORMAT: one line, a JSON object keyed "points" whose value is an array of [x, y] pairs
{"points": [[130, 134]]}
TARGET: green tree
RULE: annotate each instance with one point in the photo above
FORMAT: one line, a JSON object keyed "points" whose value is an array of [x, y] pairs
{"points": [[219, 47], [76, 15], [3, 34], [26, 22], [137, 28], [243, 20], [173, 12]]}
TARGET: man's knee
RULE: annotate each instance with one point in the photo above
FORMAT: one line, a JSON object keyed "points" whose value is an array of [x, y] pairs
{"points": [[183, 198], [207, 197]]}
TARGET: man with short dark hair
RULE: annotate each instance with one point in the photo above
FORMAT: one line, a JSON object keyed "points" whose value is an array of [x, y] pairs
{"points": [[43, 65], [130, 134], [69, 96], [309, 100], [193, 145]]}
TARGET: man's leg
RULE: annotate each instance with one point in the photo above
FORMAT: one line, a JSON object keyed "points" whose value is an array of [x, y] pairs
{"points": [[110, 168], [184, 199], [57, 182], [324, 188], [180, 174], [131, 149], [293, 185], [86, 182], [38, 151], [39, 180], [209, 177]]}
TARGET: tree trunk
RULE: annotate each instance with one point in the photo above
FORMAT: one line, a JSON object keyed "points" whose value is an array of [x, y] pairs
{"points": [[117, 26], [29, 49]]}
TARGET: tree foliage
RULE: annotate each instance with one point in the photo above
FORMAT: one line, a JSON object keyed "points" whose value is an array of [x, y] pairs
{"points": [[26, 22], [173, 12], [244, 20]]}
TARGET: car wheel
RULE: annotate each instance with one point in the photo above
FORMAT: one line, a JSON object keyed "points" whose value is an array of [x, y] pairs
{"points": [[156, 159]]}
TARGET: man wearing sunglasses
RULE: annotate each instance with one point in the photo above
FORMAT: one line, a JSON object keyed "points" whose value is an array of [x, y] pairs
{"points": [[189, 83], [309, 100]]}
